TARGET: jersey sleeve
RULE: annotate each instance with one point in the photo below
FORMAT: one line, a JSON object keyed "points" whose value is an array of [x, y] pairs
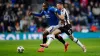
{"points": [[66, 14], [55, 10], [39, 14]]}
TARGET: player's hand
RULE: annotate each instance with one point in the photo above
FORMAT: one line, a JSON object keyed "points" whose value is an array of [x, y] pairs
{"points": [[30, 13]]}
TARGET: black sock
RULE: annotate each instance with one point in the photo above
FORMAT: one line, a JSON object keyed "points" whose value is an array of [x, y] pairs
{"points": [[45, 38], [60, 39]]}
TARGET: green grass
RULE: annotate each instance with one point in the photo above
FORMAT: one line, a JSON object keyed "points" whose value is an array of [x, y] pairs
{"points": [[9, 48]]}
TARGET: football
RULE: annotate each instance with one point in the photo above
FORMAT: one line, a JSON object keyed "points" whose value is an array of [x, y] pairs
{"points": [[20, 49]]}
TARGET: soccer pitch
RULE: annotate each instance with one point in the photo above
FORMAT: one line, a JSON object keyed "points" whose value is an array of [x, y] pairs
{"points": [[9, 48]]}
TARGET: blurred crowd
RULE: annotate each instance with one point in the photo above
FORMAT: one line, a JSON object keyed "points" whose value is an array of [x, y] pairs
{"points": [[84, 15], [14, 16]]}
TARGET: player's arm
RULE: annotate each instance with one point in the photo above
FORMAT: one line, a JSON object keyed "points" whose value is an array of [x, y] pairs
{"points": [[58, 13], [61, 17], [38, 14]]}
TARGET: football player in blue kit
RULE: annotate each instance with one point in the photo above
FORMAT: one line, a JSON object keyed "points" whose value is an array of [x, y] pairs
{"points": [[53, 15]]}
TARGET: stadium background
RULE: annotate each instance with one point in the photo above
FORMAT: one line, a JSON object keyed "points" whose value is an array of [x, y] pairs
{"points": [[17, 25], [84, 15]]}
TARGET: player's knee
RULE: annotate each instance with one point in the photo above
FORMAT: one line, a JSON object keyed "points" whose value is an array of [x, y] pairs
{"points": [[51, 36], [71, 37], [56, 36], [56, 32], [45, 33]]}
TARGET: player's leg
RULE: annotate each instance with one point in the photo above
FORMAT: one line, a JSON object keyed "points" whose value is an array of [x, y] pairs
{"points": [[52, 36], [69, 32], [50, 30], [55, 31], [78, 42], [60, 39], [45, 33], [61, 30]]}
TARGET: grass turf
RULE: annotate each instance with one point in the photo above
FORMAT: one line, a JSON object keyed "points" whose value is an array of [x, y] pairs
{"points": [[9, 48]]}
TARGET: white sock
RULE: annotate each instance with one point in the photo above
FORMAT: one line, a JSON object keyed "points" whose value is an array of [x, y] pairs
{"points": [[78, 42], [49, 41], [51, 37]]}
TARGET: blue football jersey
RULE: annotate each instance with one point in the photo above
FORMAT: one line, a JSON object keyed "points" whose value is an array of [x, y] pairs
{"points": [[50, 15]]}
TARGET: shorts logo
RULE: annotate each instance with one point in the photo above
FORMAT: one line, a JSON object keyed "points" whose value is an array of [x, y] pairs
{"points": [[51, 29]]}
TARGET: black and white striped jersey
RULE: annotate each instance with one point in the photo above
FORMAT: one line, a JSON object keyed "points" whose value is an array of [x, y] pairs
{"points": [[66, 15]]}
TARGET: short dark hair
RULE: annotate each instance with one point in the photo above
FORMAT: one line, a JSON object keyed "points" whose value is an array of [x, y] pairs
{"points": [[60, 3], [46, 4]]}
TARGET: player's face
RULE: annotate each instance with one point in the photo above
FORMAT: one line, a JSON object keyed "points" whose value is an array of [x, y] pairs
{"points": [[58, 6], [44, 6]]}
